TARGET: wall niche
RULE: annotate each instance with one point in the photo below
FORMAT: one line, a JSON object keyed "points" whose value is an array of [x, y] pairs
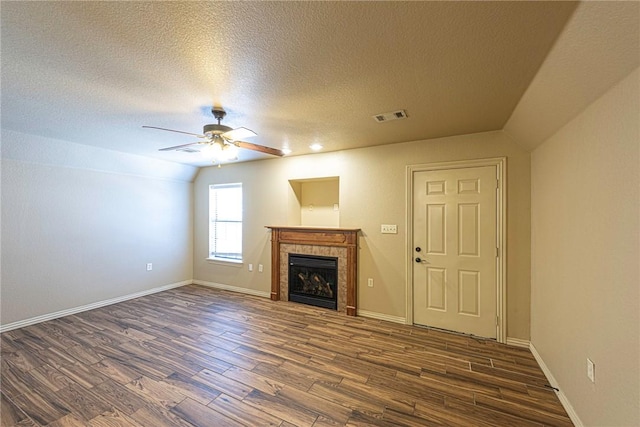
{"points": [[314, 202]]}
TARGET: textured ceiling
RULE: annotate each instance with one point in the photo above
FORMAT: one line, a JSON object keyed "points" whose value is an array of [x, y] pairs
{"points": [[296, 73], [599, 47]]}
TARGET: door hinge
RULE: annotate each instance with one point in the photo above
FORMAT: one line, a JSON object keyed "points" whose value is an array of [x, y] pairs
{"points": [[497, 321], [497, 252]]}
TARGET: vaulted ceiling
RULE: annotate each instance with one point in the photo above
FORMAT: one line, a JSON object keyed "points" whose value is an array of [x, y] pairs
{"points": [[299, 73]]}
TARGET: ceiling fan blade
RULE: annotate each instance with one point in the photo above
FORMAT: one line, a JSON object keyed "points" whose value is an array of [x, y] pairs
{"points": [[176, 131], [177, 147], [260, 148], [238, 134]]}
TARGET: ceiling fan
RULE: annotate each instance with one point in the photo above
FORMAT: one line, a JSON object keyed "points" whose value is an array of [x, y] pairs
{"points": [[220, 141]]}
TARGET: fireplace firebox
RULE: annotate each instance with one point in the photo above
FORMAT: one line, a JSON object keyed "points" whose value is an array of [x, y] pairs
{"points": [[313, 280]]}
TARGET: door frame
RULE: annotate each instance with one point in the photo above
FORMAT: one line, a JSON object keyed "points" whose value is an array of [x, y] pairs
{"points": [[500, 164]]}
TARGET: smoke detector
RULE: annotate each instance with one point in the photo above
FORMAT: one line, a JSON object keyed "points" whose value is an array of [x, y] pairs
{"points": [[393, 115]]}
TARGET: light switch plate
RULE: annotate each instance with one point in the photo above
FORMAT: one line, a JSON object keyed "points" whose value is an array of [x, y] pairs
{"points": [[389, 229], [591, 370]]}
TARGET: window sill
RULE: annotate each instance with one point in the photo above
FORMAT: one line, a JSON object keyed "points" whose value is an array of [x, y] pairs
{"points": [[225, 261]]}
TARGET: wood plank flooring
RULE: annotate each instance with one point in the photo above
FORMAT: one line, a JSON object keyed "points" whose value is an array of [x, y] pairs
{"points": [[196, 356]]}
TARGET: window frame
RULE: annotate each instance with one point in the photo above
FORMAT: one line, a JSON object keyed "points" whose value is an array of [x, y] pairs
{"points": [[211, 254]]}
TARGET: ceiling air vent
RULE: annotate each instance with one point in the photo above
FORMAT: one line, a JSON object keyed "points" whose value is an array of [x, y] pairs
{"points": [[393, 115]]}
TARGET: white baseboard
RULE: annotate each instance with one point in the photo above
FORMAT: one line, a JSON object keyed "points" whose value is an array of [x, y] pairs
{"points": [[380, 316], [517, 342], [363, 313], [74, 310], [233, 288], [563, 399]]}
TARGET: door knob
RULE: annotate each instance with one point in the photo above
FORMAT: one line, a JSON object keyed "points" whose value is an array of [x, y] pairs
{"points": [[418, 249], [418, 260]]}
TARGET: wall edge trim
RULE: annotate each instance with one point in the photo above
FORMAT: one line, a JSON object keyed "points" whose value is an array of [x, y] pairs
{"points": [[573, 415], [518, 342], [381, 316], [232, 288], [87, 307]]}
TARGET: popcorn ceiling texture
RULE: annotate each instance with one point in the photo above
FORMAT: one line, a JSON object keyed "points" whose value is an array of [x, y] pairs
{"points": [[294, 72]]}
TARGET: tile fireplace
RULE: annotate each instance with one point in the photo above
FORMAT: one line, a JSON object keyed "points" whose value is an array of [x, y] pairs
{"points": [[339, 244]]}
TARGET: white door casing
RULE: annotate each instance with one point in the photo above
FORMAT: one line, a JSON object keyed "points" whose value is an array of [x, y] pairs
{"points": [[456, 218]]}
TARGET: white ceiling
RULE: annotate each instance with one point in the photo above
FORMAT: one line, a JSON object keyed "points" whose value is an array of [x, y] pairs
{"points": [[296, 73]]}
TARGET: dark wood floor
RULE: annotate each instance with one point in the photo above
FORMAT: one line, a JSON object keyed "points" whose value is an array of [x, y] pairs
{"points": [[195, 356]]}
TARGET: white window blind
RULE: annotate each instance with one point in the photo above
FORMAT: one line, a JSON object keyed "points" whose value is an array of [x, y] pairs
{"points": [[225, 221]]}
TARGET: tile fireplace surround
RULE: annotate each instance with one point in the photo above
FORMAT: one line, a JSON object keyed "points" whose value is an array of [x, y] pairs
{"points": [[341, 243]]}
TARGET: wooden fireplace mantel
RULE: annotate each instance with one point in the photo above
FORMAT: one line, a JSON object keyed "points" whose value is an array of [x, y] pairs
{"points": [[317, 236]]}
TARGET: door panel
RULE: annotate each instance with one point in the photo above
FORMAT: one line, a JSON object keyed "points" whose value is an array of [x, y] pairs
{"points": [[436, 298], [469, 292], [436, 230], [454, 219], [468, 231]]}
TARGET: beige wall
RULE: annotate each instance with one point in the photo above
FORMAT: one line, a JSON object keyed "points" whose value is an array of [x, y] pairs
{"points": [[317, 203], [74, 235], [372, 192], [585, 257]]}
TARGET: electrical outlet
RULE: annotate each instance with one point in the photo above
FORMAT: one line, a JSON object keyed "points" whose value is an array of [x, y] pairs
{"points": [[370, 282], [149, 266], [389, 229], [260, 268], [591, 370], [250, 267]]}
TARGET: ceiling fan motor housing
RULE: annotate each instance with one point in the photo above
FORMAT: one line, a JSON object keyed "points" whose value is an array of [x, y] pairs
{"points": [[211, 130]]}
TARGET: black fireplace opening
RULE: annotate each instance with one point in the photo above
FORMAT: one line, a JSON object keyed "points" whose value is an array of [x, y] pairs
{"points": [[313, 280]]}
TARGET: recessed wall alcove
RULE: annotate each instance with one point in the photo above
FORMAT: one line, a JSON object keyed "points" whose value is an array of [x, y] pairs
{"points": [[314, 202]]}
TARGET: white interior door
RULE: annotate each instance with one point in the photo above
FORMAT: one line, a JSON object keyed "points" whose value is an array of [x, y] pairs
{"points": [[455, 249]]}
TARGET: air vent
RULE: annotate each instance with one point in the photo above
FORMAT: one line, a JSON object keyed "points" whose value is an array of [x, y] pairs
{"points": [[393, 115]]}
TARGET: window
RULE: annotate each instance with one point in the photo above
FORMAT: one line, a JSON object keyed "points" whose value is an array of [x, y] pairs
{"points": [[225, 222]]}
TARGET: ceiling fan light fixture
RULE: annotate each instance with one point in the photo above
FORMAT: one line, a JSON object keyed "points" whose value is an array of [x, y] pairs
{"points": [[219, 152], [211, 150], [229, 152], [316, 147]]}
